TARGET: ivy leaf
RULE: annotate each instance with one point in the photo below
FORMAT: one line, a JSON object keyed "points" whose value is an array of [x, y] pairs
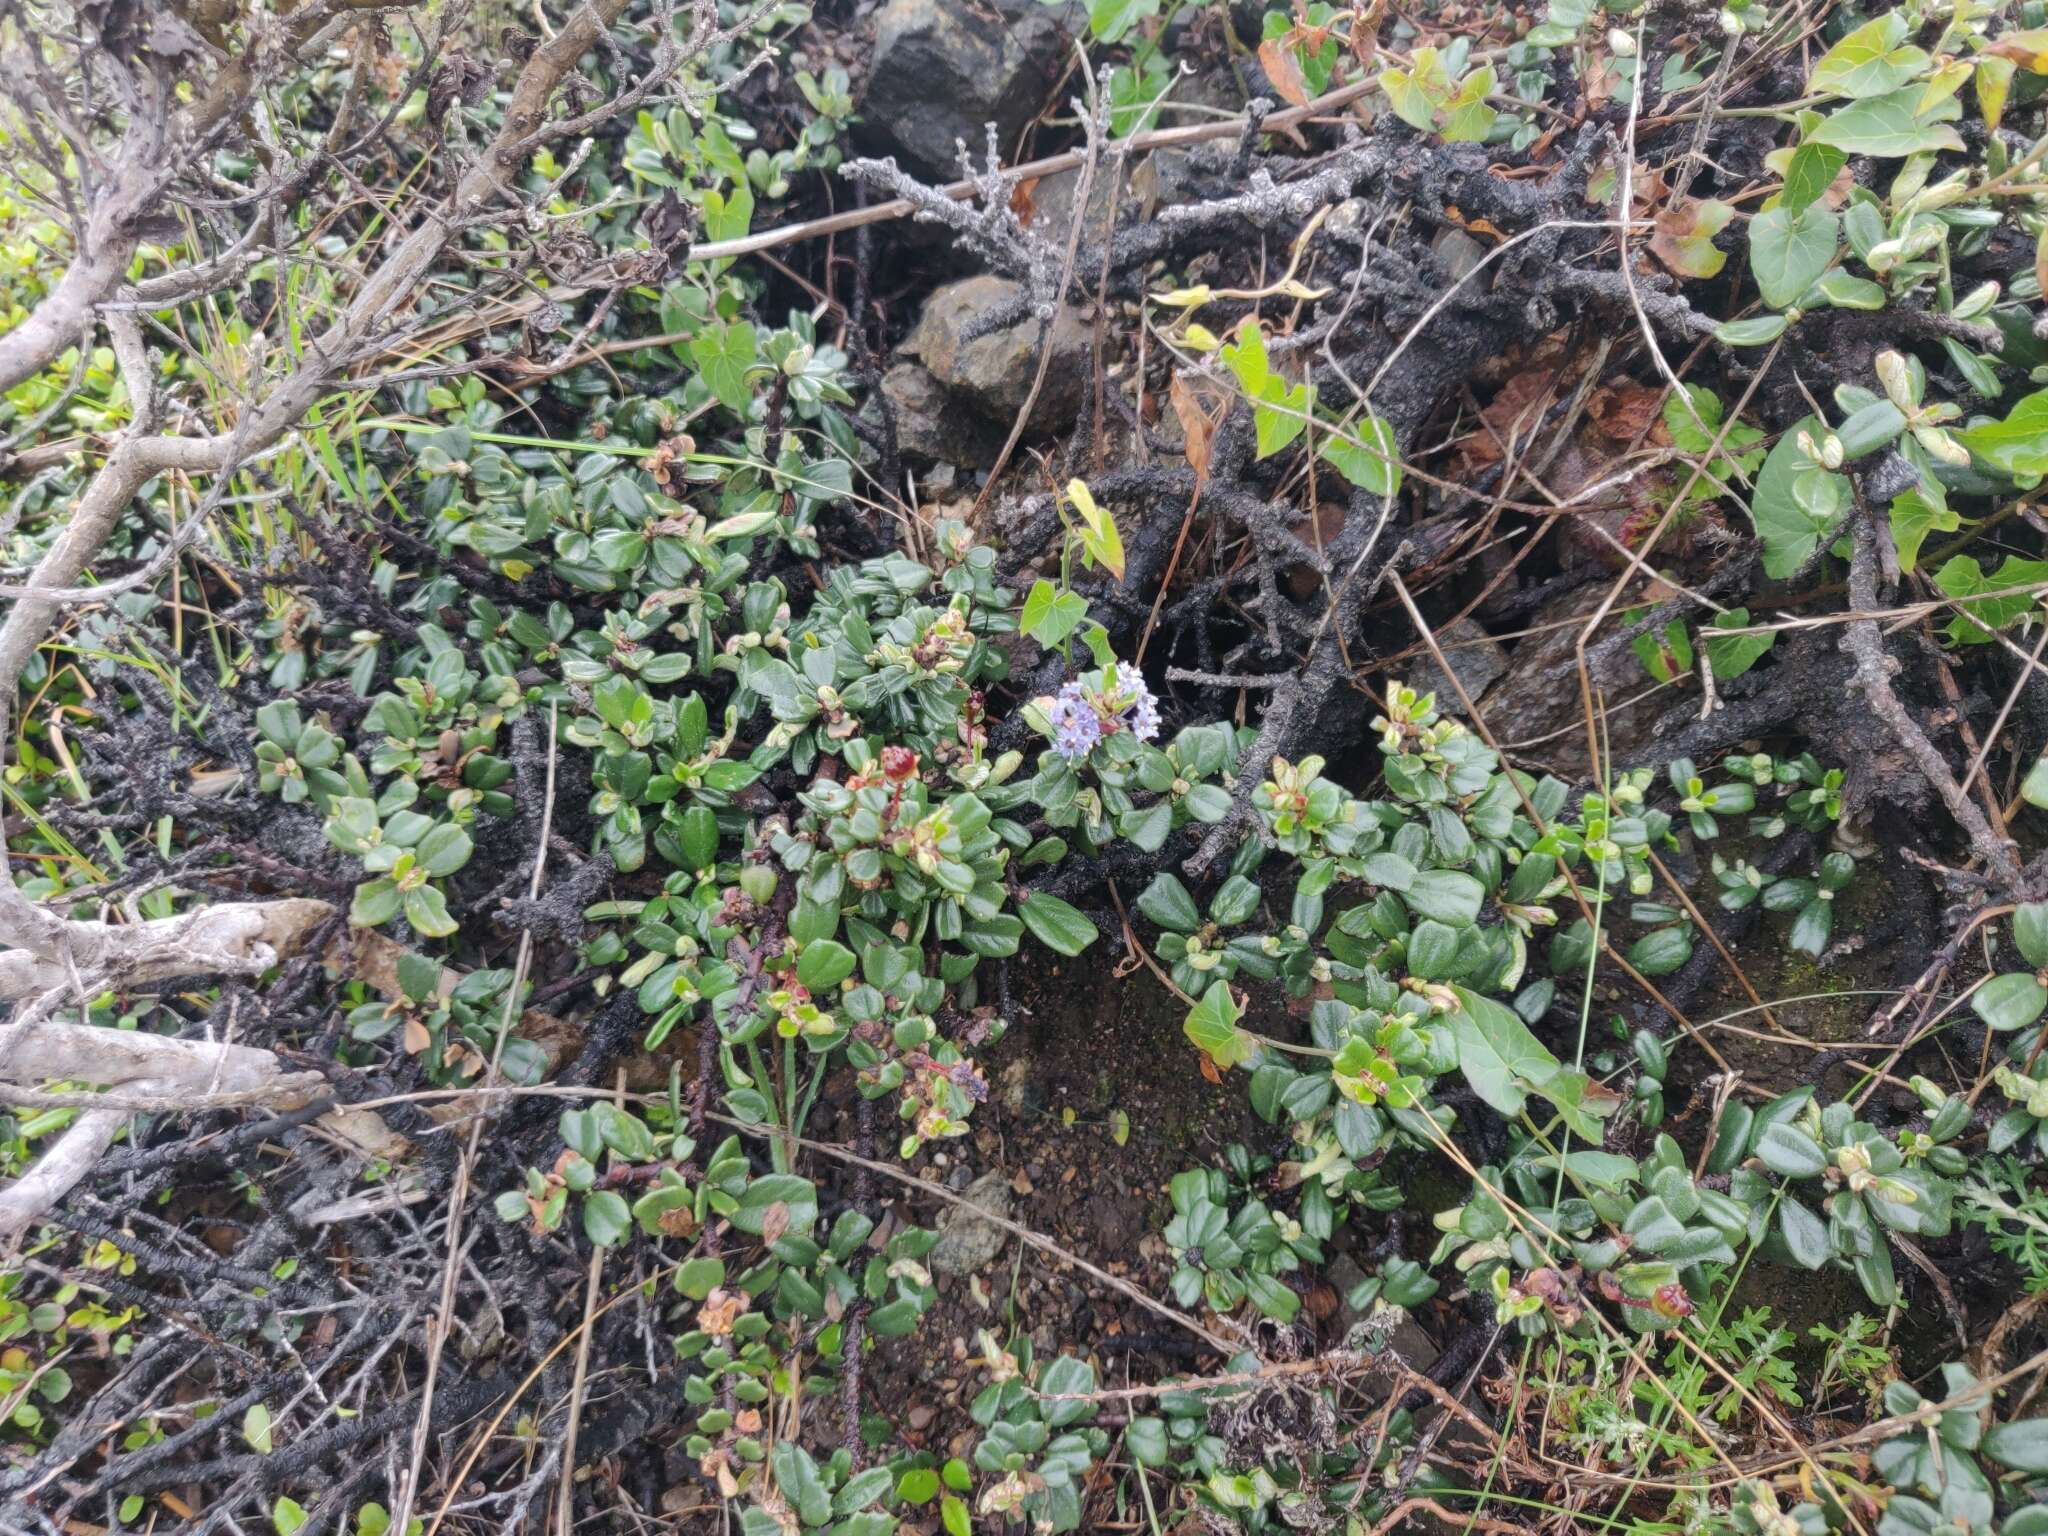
{"points": [[1963, 577], [1497, 1054], [1580, 1102], [727, 215], [1891, 126], [1055, 924], [1602, 1170], [1280, 415], [1051, 613], [1914, 515], [1109, 20], [1796, 502], [1100, 540], [1732, 655], [1812, 171], [1425, 97], [1372, 462], [2017, 445], [1246, 358], [1212, 1025], [1870, 61], [1788, 250], [723, 354]]}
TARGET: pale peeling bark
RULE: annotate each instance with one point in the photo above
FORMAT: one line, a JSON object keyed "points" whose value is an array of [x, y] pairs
{"points": [[232, 939]]}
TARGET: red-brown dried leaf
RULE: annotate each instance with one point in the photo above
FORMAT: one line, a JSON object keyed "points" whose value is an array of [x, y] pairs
{"points": [[1276, 58]]}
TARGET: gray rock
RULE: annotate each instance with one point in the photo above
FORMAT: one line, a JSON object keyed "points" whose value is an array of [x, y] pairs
{"points": [[1476, 658], [934, 423], [1534, 708], [1169, 176], [1052, 201], [968, 1240], [1366, 1329], [993, 373], [1459, 253], [944, 68]]}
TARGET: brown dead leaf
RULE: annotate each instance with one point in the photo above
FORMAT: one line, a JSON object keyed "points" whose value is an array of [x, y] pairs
{"points": [[1600, 82], [416, 1037], [1365, 30], [1200, 413], [720, 1310], [1303, 579], [1509, 412], [1472, 226], [1321, 1302], [774, 1223], [2029, 50], [1684, 237], [1623, 412], [1024, 200], [1276, 58]]}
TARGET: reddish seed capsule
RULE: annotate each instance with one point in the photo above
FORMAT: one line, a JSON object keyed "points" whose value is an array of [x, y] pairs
{"points": [[898, 764]]}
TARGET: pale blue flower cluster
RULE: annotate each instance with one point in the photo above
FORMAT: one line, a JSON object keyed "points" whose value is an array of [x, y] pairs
{"points": [[1081, 717], [1075, 726]]}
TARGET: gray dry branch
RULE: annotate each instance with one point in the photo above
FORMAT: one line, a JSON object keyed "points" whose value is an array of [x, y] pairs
{"points": [[231, 939], [119, 155]]}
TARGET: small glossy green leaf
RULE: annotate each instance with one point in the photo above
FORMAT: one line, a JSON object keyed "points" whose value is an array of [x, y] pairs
{"points": [[823, 965], [1056, 924], [606, 1218], [2008, 1002], [1790, 1152]]}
